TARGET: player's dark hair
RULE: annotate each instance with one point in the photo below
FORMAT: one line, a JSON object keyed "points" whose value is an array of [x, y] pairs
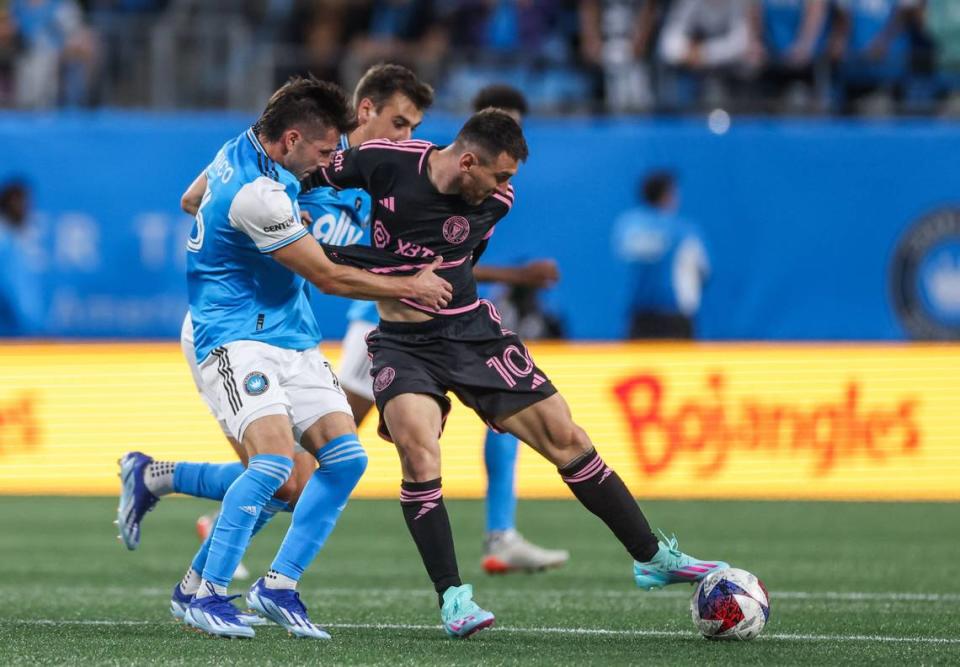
{"points": [[305, 101], [493, 131], [655, 186], [383, 81], [500, 96]]}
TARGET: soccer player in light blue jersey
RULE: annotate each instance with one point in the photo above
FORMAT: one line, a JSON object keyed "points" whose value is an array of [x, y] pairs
{"points": [[390, 102], [255, 340]]}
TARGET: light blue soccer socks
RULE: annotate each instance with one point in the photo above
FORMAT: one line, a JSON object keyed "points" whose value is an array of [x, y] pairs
{"points": [[191, 581], [342, 463], [500, 457], [205, 480], [239, 514]]}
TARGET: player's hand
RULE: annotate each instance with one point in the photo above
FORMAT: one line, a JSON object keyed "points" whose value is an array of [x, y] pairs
{"points": [[306, 219], [539, 273], [431, 290]]}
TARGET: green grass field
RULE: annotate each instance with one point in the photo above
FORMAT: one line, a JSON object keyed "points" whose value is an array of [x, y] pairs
{"points": [[849, 583]]}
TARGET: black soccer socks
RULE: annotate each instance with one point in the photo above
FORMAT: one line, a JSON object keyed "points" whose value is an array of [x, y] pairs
{"points": [[602, 492], [429, 525]]}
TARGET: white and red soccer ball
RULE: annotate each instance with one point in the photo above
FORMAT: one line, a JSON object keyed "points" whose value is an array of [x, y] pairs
{"points": [[730, 604]]}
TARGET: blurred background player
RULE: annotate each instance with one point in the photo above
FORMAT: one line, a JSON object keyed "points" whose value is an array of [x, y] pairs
{"points": [[667, 261], [21, 312], [505, 549]]}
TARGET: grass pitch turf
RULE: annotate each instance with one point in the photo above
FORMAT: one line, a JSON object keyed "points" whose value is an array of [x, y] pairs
{"points": [[849, 583]]}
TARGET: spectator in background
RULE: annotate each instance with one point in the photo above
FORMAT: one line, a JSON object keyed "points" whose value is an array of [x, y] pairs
{"points": [[787, 38], [872, 50], [21, 312], [10, 46], [667, 261], [616, 36], [933, 27], [59, 53], [708, 41], [407, 32]]}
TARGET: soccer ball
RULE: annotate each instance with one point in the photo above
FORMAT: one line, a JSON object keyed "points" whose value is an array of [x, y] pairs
{"points": [[730, 604]]}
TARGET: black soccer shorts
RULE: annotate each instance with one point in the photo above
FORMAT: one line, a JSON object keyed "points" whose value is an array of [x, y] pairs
{"points": [[486, 366]]}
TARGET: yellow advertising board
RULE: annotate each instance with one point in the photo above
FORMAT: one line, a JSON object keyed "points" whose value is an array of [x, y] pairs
{"points": [[675, 421]]}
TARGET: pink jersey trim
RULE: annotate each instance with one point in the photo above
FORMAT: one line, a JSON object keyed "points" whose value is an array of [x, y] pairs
{"points": [[488, 234], [508, 202], [390, 147], [442, 311], [410, 267], [333, 185], [423, 157], [494, 313]]}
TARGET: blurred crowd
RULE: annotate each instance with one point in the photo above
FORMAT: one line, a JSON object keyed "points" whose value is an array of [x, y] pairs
{"points": [[759, 56]]}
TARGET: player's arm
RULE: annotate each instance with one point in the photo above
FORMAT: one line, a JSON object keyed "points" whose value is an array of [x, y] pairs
{"points": [[537, 273], [190, 200], [305, 257], [263, 211]]}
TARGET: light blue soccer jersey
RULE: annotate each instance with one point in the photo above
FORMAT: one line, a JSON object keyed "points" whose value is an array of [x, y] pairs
{"points": [[237, 291], [342, 218], [666, 257]]}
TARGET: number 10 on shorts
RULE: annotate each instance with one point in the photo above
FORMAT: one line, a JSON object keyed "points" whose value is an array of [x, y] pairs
{"points": [[512, 365]]}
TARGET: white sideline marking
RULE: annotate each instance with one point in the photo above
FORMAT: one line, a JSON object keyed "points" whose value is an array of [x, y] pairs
{"points": [[775, 595], [547, 630]]}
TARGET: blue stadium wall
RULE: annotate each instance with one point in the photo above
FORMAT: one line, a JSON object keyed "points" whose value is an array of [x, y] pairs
{"points": [[816, 229]]}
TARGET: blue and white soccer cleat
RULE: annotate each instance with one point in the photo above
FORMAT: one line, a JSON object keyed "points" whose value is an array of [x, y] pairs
{"points": [[283, 607], [179, 602], [216, 615], [672, 566], [460, 614], [135, 499]]}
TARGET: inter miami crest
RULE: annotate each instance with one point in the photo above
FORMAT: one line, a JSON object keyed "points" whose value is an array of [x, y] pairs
{"points": [[925, 277]]}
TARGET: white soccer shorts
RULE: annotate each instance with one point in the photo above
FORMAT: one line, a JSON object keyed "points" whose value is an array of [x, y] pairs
{"points": [[355, 364], [245, 380]]}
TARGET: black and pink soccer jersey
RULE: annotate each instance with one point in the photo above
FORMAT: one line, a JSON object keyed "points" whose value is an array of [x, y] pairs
{"points": [[412, 221]]}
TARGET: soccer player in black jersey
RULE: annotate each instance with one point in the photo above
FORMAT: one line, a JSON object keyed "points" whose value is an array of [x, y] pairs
{"points": [[444, 201]]}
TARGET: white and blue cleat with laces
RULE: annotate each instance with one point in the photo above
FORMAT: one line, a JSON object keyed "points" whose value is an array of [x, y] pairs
{"points": [[671, 566], [216, 615], [135, 499], [179, 601], [283, 607]]}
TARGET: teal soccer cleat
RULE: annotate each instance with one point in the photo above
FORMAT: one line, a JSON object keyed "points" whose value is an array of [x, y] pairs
{"points": [[672, 566], [460, 614]]}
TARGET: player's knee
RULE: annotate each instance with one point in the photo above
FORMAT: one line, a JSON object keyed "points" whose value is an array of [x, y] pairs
{"points": [[289, 491], [352, 468], [420, 460], [567, 440]]}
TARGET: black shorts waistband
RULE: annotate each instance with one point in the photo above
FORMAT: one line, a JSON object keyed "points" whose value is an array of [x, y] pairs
{"points": [[428, 326]]}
